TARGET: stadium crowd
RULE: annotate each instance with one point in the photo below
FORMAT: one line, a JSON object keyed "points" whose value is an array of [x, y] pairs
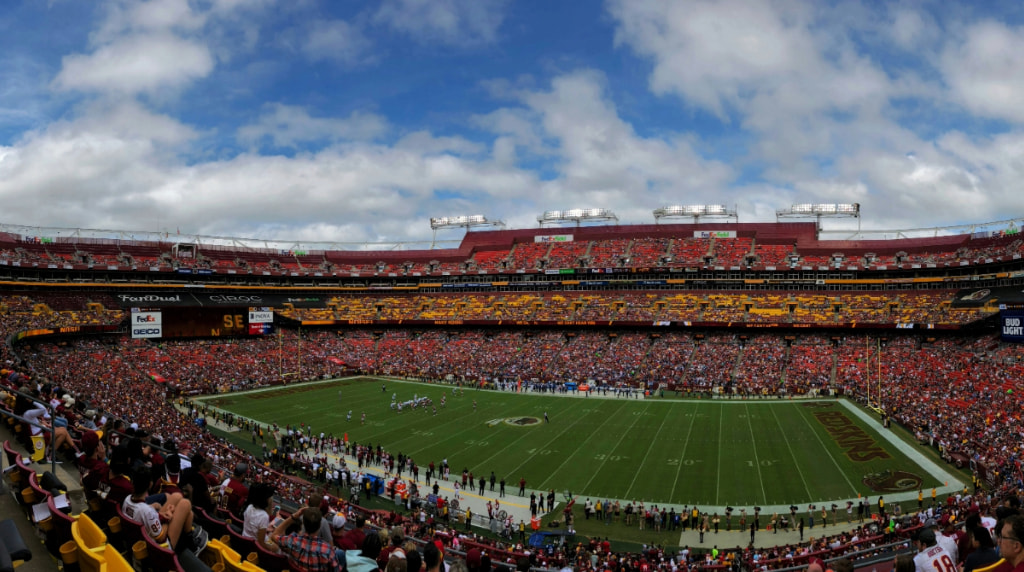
{"points": [[896, 307], [970, 387], [526, 255]]}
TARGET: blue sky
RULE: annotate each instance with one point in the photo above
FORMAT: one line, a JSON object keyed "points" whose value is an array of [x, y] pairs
{"points": [[358, 121]]}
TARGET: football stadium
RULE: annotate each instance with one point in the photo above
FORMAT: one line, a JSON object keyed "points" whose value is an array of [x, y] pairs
{"points": [[531, 395]]}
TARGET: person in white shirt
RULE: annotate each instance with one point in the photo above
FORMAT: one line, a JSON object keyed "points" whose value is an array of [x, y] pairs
{"points": [[931, 556], [256, 517], [148, 510]]}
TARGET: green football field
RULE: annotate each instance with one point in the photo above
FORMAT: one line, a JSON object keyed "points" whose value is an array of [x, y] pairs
{"points": [[718, 453]]}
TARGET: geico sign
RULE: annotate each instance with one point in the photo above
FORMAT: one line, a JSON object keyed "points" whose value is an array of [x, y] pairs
{"points": [[146, 332], [231, 299]]}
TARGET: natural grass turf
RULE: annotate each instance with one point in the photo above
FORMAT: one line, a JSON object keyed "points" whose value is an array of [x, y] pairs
{"points": [[740, 453]]}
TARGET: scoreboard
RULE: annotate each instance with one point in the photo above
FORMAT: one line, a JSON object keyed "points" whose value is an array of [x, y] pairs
{"points": [[198, 322]]}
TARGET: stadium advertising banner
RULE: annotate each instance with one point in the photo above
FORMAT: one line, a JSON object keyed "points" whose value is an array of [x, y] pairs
{"points": [[64, 331], [261, 316], [146, 323], [714, 234], [974, 297], [1012, 325], [261, 321], [211, 300], [552, 238]]}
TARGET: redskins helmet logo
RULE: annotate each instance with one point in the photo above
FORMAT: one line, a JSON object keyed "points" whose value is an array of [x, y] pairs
{"points": [[892, 481]]}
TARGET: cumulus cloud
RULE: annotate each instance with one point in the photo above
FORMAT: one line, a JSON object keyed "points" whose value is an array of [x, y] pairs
{"points": [[911, 29], [601, 151], [136, 64], [452, 22], [120, 166], [152, 16], [805, 102], [985, 70], [288, 125], [336, 40]]}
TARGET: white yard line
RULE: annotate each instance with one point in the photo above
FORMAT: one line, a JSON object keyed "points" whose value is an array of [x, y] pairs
{"points": [[679, 466], [648, 454], [757, 462]]}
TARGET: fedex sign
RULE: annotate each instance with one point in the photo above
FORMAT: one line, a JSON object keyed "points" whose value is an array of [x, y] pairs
{"points": [[146, 325]]}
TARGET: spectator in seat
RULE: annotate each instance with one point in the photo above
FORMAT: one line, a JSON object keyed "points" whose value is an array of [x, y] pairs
{"points": [[353, 539], [365, 558], [256, 516], [397, 538], [196, 481], [234, 490], [119, 482], [92, 465], [153, 510], [1010, 535], [983, 551], [304, 548]]}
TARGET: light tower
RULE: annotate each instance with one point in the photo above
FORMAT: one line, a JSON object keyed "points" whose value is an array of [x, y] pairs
{"points": [[696, 212], [577, 216], [465, 221], [819, 211]]}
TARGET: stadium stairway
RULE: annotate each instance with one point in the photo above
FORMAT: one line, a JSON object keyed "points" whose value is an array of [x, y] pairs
{"points": [[9, 507]]}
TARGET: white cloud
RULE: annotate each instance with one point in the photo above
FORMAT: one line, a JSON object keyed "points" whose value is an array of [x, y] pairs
{"points": [[452, 22], [428, 144], [600, 160], [336, 40], [818, 110], [136, 64], [985, 70], [912, 30], [519, 124], [120, 166], [717, 54], [288, 126], [152, 16]]}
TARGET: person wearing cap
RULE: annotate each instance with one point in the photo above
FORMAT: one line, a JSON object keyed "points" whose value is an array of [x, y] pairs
{"points": [[473, 557], [353, 539], [930, 555], [93, 465], [946, 542], [234, 489], [397, 561], [304, 548]]}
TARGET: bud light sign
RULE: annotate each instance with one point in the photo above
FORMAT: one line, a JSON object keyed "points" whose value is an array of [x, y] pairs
{"points": [[1013, 326]]}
